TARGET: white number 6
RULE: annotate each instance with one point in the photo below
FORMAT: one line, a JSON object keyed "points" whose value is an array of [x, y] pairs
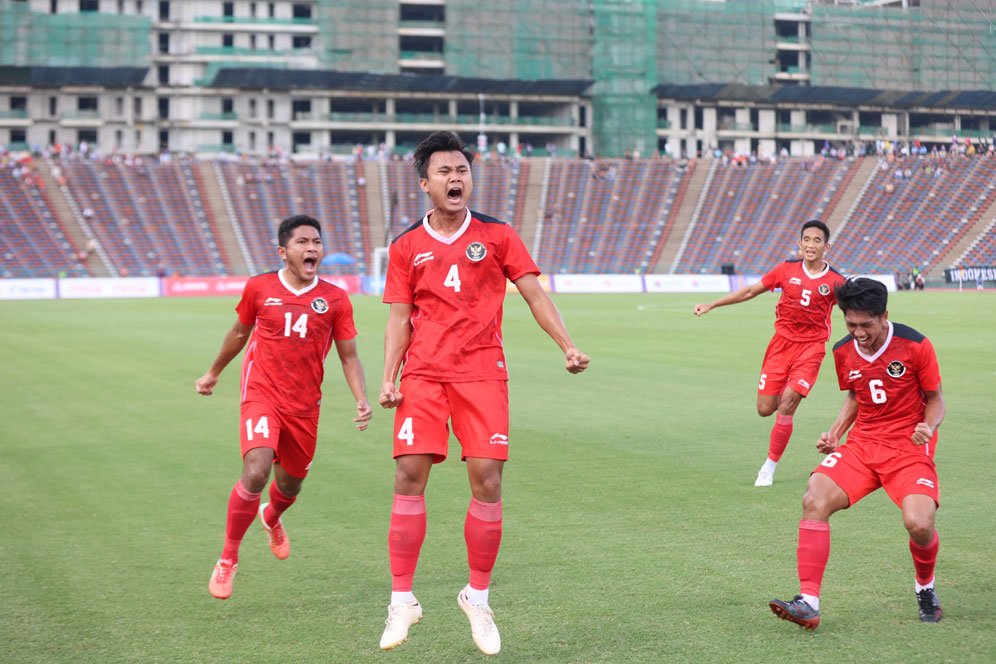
{"points": [[831, 459], [877, 393]]}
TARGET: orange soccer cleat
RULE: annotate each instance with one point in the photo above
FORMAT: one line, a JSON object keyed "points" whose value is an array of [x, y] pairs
{"points": [[220, 584], [279, 542]]}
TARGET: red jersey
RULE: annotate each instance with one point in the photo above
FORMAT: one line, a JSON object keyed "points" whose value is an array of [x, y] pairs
{"points": [[803, 311], [284, 362], [457, 286], [889, 386]]}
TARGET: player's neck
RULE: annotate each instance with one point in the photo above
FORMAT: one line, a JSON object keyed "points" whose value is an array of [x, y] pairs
{"points": [[294, 280], [815, 266], [447, 223]]}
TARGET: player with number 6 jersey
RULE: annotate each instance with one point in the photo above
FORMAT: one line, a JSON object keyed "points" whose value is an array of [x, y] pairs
{"points": [[446, 282], [802, 328], [290, 319], [893, 408]]}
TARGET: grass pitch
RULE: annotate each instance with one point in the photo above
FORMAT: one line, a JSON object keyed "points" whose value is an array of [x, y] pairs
{"points": [[633, 531]]}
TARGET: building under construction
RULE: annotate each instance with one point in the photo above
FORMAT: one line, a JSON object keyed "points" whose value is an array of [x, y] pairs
{"points": [[608, 77]]}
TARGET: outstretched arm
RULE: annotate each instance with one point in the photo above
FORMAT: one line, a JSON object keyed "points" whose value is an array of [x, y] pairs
{"points": [[736, 297], [546, 314], [397, 339], [231, 346], [845, 418], [352, 369]]}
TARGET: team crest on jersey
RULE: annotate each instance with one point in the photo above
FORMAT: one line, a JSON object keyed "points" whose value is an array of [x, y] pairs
{"points": [[320, 305], [896, 368], [476, 251], [824, 289]]}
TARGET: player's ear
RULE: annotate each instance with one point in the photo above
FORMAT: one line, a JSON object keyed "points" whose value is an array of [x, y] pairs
{"points": [[423, 185], [282, 252]]}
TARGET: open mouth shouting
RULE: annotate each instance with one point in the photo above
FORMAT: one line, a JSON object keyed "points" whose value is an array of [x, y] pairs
{"points": [[454, 195]]}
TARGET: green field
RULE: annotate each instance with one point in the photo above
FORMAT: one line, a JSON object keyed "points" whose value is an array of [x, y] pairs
{"points": [[633, 531]]}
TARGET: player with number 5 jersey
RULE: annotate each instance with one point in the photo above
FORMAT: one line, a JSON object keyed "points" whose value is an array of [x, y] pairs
{"points": [[893, 408], [802, 327], [446, 282], [290, 319]]}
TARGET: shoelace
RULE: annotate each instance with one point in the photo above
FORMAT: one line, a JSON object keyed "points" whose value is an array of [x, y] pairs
{"points": [[277, 533], [224, 572], [926, 599], [393, 613]]}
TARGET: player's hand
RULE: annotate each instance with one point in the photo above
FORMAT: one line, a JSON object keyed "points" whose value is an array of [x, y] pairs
{"points": [[702, 309], [922, 434], [363, 414], [205, 384], [390, 395], [826, 444], [575, 361]]}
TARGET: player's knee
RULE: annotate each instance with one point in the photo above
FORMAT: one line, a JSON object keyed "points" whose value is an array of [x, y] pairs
{"points": [[765, 409], [254, 477], [816, 505], [920, 528]]}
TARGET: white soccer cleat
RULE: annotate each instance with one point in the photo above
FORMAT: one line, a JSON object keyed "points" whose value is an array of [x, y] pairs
{"points": [[399, 618], [482, 624], [764, 478]]}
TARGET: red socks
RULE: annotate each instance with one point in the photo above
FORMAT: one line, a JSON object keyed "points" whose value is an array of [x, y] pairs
{"points": [[812, 555], [405, 539], [279, 503], [780, 435], [242, 508], [482, 532], [924, 559]]}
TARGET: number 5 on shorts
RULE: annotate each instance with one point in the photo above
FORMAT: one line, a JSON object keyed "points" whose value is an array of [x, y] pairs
{"points": [[405, 433]]}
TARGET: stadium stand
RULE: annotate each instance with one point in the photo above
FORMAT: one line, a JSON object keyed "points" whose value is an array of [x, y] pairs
{"points": [[34, 243]]}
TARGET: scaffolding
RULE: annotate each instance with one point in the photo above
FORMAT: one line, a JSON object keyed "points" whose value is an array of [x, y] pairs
{"points": [[519, 39], [718, 42], [936, 46], [624, 68], [358, 35], [88, 39]]}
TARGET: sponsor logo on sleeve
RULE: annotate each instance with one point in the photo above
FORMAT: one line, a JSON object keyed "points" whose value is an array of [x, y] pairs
{"points": [[796, 281], [896, 369], [476, 251], [272, 302], [854, 374], [320, 305], [423, 258]]}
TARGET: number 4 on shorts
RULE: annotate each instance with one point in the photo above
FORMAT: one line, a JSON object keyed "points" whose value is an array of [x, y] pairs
{"points": [[405, 433]]}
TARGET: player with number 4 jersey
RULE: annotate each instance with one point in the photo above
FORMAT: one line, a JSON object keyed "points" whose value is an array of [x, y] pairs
{"points": [[290, 319], [446, 282], [893, 408], [802, 328]]}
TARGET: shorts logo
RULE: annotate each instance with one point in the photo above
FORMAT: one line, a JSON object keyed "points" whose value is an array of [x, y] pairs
{"points": [[854, 374], [272, 302], [476, 251], [896, 369], [824, 289], [499, 439], [805, 383], [320, 305], [925, 482], [423, 258]]}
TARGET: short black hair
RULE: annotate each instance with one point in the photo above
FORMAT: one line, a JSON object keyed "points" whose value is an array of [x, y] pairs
{"points": [[863, 294], [816, 223], [288, 225], [438, 141]]}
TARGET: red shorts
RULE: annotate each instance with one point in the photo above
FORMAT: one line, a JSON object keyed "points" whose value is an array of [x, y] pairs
{"points": [[790, 364], [291, 437], [860, 468], [478, 409]]}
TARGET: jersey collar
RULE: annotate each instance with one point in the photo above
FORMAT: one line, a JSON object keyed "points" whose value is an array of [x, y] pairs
{"points": [[826, 268], [878, 354], [280, 275], [446, 240]]}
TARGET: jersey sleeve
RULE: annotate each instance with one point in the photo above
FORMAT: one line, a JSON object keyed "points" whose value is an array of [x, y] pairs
{"points": [[246, 308], [516, 259], [397, 287], [840, 369], [343, 327], [773, 279], [929, 370]]}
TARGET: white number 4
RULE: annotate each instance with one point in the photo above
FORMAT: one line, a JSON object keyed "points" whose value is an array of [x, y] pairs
{"points": [[262, 427], [406, 433], [452, 280]]}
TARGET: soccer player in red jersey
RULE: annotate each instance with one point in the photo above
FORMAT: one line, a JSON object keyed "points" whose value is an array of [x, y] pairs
{"points": [[895, 405], [290, 319], [802, 328], [446, 282]]}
